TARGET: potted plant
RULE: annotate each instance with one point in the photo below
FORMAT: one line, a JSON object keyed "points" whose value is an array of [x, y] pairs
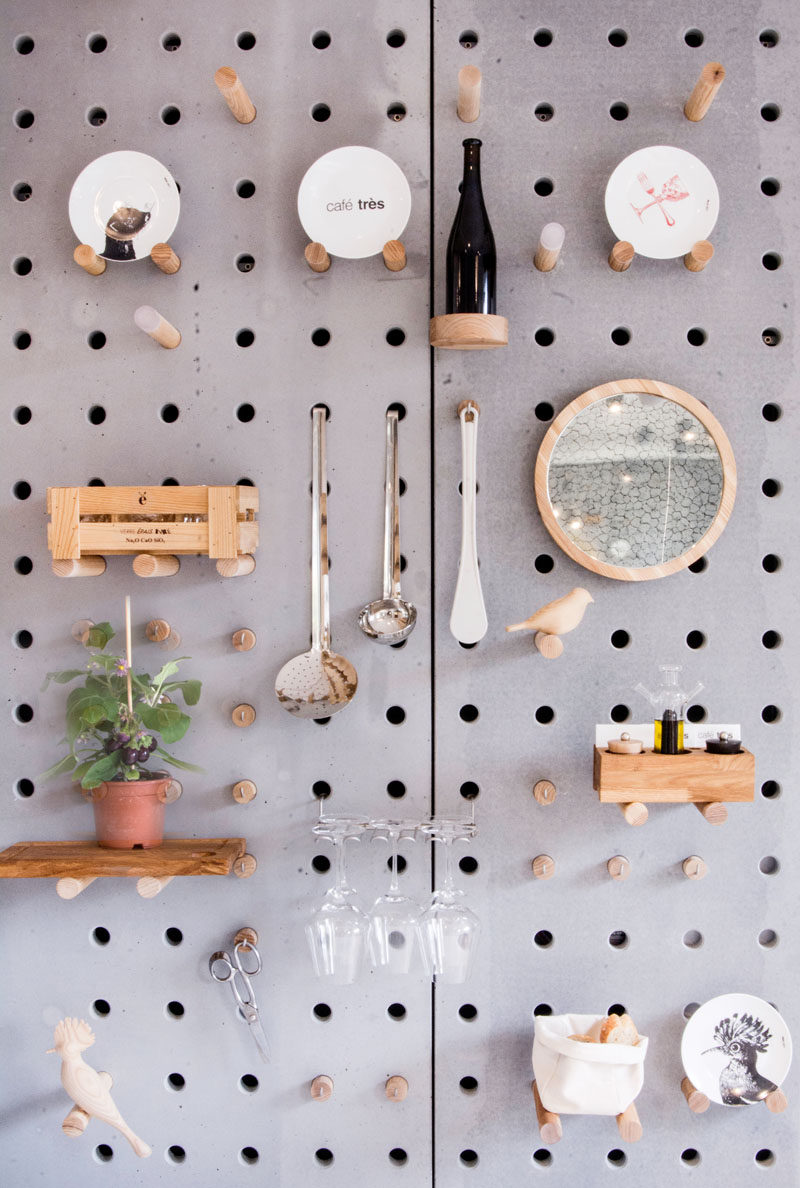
{"points": [[114, 719]]}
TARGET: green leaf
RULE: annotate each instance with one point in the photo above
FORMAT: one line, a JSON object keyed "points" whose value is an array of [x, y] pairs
{"points": [[101, 770], [99, 635], [189, 689], [169, 669], [86, 707], [181, 763], [64, 677], [81, 770], [63, 765], [166, 720]]}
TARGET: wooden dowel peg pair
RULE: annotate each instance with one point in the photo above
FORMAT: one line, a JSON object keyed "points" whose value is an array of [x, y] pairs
{"points": [[321, 1088], [235, 95], [393, 252], [161, 254], [550, 1129], [698, 1102], [622, 253]]}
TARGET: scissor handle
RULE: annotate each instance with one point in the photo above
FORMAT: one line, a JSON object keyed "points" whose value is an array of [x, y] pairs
{"points": [[225, 959], [245, 946]]}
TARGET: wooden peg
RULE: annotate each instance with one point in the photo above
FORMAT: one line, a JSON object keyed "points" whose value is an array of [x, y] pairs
{"points": [[634, 813], [149, 565], [229, 567], [468, 331], [244, 791], [775, 1101], [321, 1087], [699, 256], [80, 630], [158, 630], [697, 1102], [89, 260], [394, 255], [549, 247], [151, 321], [711, 78], [618, 867], [469, 94], [79, 567], [549, 1123], [171, 791], [317, 258], [70, 886], [714, 812], [149, 886], [243, 715], [549, 646], [621, 256], [165, 258], [628, 1125], [694, 867], [543, 866], [245, 866], [544, 792], [244, 639], [246, 937], [76, 1121], [235, 95], [396, 1088]]}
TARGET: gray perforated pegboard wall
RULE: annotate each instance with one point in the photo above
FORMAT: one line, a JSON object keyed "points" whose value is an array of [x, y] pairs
{"points": [[54, 965]]}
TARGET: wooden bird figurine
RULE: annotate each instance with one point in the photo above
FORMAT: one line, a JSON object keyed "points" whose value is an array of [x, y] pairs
{"points": [[555, 619], [88, 1088]]}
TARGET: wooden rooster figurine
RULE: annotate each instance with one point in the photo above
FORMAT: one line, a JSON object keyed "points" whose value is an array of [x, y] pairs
{"points": [[87, 1088], [555, 619]]}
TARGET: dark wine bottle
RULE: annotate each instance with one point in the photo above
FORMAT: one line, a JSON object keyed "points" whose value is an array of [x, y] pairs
{"points": [[471, 256]]}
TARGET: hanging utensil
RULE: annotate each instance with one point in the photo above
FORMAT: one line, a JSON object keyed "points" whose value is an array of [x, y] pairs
{"points": [[468, 622], [223, 969]]}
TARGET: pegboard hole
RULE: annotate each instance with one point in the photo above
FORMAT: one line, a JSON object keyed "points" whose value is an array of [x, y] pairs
{"points": [[24, 118], [173, 936], [542, 1157], [620, 336], [543, 1008], [461, 489], [620, 638], [170, 42], [245, 263], [101, 1008], [170, 413], [544, 411], [249, 1083], [175, 1154], [97, 43], [248, 1156], [395, 38], [764, 1157], [96, 116], [769, 38], [321, 39], [95, 482], [170, 115], [469, 790], [696, 713], [543, 939], [245, 337], [768, 938], [693, 38], [617, 1157], [321, 863], [402, 863], [398, 1156], [396, 1011], [468, 646], [402, 643], [396, 112], [245, 188], [769, 865], [246, 40], [175, 1009], [321, 789], [322, 1012], [167, 482], [22, 340], [469, 1158], [620, 713], [245, 482], [399, 408], [96, 414], [23, 566], [23, 639], [103, 1153], [176, 1082], [322, 721], [543, 112], [22, 191], [617, 38], [543, 186], [324, 1156], [619, 111], [771, 488], [23, 713], [320, 112], [245, 413], [771, 336], [544, 336], [771, 261], [468, 1085], [96, 340], [770, 186], [771, 789], [770, 112], [771, 563], [468, 1012], [396, 715], [543, 563], [695, 639], [618, 939], [699, 566], [617, 1008], [395, 337], [771, 714], [543, 38], [468, 39], [24, 44], [396, 789], [772, 412], [101, 935], [468, 865], [693, 939], [22, 490], [402, 486], [22, 414], [690, 1009], [771, 639], [321, 337], [22, 265], [545, 714], [24, 788], [469, 713], [696, 336]]}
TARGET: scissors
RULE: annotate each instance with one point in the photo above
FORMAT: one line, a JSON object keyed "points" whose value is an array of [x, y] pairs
{"points": [[247, 1006]]}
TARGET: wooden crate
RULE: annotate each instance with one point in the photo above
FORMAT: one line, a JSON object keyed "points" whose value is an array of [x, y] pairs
{"points": [[218, 522], [694, 778]]}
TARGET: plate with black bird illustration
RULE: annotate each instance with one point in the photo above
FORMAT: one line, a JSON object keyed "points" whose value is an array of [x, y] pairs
{"points": [[736, 1049]]}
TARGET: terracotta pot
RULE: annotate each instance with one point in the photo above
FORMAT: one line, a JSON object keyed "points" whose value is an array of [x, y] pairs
{"points": [[130, 814]]}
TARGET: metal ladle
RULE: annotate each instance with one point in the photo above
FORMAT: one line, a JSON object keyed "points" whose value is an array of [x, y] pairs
{"points": [[317, 683], [389, 619]]}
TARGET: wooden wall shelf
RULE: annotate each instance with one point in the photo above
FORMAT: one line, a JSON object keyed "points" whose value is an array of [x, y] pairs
{"points": [[695, 777]]}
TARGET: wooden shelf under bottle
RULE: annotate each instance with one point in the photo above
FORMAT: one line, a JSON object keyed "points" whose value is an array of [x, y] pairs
{"points": [[693, 777], [469, 331]]}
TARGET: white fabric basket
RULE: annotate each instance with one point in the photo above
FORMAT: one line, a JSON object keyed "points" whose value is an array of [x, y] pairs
{"points": [[580, 1078]]}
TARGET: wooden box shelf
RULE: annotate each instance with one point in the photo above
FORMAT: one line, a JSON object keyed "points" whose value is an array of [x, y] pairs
{"points": [[695, 777]]}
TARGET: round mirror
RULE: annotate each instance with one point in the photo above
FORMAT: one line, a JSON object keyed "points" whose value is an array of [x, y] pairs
{"points": [[635, 479]]}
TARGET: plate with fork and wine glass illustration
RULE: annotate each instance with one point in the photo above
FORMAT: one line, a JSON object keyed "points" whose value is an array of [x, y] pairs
{"points": [[662, 200], [736, 1049]]}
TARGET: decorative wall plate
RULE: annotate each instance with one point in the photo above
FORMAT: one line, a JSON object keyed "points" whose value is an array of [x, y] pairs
{"points": [[124, 203], [662, 200], [736, 1048], [353, 201]]}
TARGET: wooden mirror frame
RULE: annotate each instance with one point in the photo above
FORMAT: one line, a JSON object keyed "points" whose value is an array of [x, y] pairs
{"points": [[619, 388]]}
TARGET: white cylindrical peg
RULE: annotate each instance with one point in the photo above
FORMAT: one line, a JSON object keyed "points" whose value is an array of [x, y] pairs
{"points": [[149, 886], [711, 78], [69, 886], [549, 247], [151, 321], [239, 566], [235, 95], [79, 567], [148, 565], [165, 258], [88, 259], [469, 94]]}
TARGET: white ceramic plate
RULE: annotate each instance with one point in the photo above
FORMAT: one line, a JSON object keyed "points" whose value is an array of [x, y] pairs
{"points": [[353, 200], [662, 200], [124, 203], [735, 1046]]}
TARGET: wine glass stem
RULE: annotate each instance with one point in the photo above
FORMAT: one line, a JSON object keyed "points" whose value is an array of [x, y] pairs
{"points": [[449, 885], [341, 870], [394, 886]]}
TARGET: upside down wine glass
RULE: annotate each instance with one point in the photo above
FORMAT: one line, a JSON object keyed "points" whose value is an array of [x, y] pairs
{"points": [[449, 929], [337, 931], [394, 917]]}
